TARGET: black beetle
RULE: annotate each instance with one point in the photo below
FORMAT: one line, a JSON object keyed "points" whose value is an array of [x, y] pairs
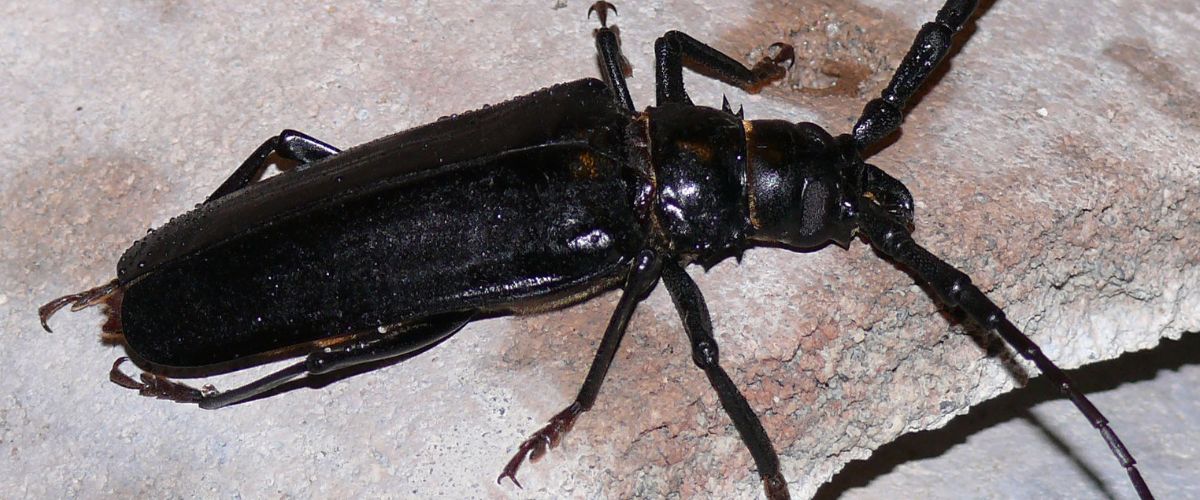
{"points": [[520, 215]]}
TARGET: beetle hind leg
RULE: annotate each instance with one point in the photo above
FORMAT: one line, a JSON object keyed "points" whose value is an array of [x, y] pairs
{"points": [[77, 301], [641, 279], [400, 342], [154, 386], [289, 144]]}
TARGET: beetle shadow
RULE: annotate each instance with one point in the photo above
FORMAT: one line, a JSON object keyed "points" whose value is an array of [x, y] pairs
{"points": [[1097, 377]]}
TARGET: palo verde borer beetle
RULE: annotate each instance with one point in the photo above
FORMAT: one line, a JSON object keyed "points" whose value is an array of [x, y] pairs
{"points": [[525, 215]]}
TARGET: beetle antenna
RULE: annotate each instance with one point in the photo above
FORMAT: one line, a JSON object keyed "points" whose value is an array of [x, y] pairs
{"points": [[954, 288], [883, 115]]}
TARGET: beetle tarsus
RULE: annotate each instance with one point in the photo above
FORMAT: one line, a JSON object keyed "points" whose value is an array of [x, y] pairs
{"points": [[154, 386], [883, 115], [784, 52], [770, 69], [77, 301], [541, 441], [601, 9]]}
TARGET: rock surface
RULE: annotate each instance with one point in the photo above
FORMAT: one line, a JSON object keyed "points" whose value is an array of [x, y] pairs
{"points": [[1055, 161]]}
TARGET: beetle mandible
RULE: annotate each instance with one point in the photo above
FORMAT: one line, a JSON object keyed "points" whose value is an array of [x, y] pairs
{"points": [[634, 197]]}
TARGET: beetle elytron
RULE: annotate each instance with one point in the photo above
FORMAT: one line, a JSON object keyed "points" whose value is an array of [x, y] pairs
{"points": [[534, 203]]}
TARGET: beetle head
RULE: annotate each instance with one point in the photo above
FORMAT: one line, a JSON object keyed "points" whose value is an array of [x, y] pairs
{"points": [[806, 187]]}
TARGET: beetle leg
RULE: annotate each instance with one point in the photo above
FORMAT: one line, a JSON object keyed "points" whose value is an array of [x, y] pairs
{"points": [[289, 144], [611, 60], [675, 49], [358, 350], [376, 346], [954, 288], [77, 301], [689, 302], [640, 281], [155, 386], [407, 339], [883, 115]]}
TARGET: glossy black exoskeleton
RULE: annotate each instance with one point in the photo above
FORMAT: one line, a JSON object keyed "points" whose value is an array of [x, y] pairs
{"points": [[384, 250]]}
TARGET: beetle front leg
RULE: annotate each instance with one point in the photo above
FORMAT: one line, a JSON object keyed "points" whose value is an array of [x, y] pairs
{"points": [[696, 321], [640, 281], [289, 144], [675, 49]]}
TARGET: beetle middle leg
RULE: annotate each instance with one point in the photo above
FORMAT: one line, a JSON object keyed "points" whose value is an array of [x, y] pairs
{"points": [[289, 144], [641, 279], [375, 346], [689, 302]]}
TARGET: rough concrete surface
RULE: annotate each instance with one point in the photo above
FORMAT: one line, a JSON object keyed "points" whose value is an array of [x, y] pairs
{"points": [[1056, 161]]}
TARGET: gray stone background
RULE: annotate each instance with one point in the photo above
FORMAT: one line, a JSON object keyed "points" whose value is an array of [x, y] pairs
{"points": [[1055, 161]]}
